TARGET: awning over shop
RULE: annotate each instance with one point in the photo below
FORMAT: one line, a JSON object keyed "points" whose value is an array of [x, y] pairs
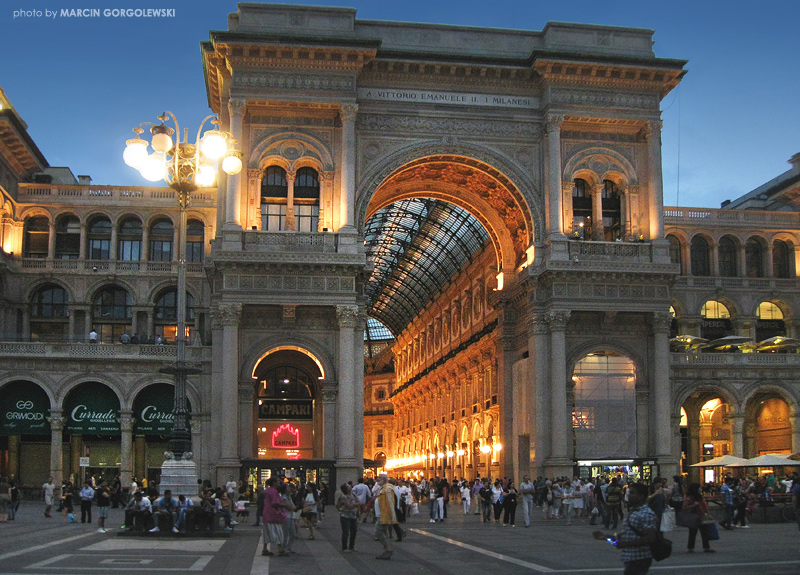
{"points": [[24, 409], [152, 410], [92, 409]]}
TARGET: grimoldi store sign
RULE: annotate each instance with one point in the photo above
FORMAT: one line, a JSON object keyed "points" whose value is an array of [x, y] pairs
{"points": [[286, 409], [152, 410], [24, 409], [92, 409]]}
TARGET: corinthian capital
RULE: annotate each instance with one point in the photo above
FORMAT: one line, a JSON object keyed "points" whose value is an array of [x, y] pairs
{"points": [[662, 320], [558, 319], [237, 107], [348, 315], [348, 112], [653, 129], [227, 314], [553, 123]]}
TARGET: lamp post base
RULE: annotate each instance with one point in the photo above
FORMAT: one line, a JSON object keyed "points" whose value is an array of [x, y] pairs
{"points": [[179, 475]]}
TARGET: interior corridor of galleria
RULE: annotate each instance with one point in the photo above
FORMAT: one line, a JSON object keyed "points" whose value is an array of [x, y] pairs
{"points": [[471, 250]]}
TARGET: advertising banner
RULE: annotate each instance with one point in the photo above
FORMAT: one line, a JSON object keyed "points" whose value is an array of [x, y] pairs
{"points": [[152, 410], [24, 409], [92, 409]]}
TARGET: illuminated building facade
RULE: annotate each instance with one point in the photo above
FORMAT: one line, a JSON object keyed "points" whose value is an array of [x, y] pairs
{"points": [[490, 198]]}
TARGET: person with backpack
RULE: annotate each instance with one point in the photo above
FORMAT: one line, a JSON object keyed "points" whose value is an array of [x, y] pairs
{"points": [[638, 532]]}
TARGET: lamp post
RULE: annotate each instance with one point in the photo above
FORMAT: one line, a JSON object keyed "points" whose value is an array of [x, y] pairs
{"points": [[184, 167]]}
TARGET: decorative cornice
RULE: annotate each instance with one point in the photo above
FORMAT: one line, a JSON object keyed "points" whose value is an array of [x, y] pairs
{"points": [[295, 81]]}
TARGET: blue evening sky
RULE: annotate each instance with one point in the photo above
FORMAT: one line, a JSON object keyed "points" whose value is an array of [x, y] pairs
{"points": [[82, 84]]}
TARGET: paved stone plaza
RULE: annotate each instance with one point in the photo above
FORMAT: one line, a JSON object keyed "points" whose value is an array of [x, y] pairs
{"points": [[32, 545]]}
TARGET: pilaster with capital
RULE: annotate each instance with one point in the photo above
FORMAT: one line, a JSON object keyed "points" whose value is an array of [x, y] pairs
{"points": [[737, 425], [233, 199], [346, 407], [661, 389], [228, 316], [126, 422], [325, 200], [553, 134], [347, 113], [57, 422], [566, 206], [598, 230], [561, 423], [291, 176], [656, 200], [254, 177]]}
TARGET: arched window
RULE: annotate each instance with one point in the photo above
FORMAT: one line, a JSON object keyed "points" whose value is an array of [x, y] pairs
{"points": [[770, 321], [611, 211], [50, 314], [604, 409], [99, 233], [699, 254], [37, 237], [195, 241], [727, 257], [781, 266], [166, 315], [306, 200], [675, 255], [111, 313], [129, 243], [162, 237], [754, 258], [274, 199], [286, 382], [581, 210], [716, 320], [68, 238]]}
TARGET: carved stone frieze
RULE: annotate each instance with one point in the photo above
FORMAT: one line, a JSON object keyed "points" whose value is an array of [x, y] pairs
{"points": [[290, 283], [604, 99], [393, 124], [294, 81]]}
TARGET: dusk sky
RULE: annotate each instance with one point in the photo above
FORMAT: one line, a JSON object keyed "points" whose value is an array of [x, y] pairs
{"points": [[83, 84]]}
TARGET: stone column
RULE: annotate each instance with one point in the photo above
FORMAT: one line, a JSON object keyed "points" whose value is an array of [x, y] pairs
{"points": [[56, 447], [347, 113], [84, 242], [560, 462], [145, 251], [737, 424], [51, 240], [347, 410], [289, 224], [329, 396], [794, 425], [598, 229], [112, 249], [254, 177], [228, 316], [539, 416], [126, 422], [233, 197], [553, 133], [325, 199], [656, 199], [661, 391]]}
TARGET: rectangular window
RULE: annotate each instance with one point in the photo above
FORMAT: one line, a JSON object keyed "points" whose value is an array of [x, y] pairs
{"points": [[306, 218], [99, 249], [129, 250], [160, 251], [273, 217], [194, 252], [379, 442]]}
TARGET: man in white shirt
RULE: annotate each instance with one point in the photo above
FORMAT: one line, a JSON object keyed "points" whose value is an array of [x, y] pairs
{"points": [[138, 507], [230, 487], [527, 489], [48, 489], [362, 493]]}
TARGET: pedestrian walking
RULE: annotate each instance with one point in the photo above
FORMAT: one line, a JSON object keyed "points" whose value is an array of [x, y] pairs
{"points": [[638, 532], [385, 514], [347, 506], [48, 491], [527, 490], [695, 503]]}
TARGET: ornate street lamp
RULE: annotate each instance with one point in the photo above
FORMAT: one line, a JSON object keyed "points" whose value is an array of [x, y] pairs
{"points": [[184, 167]]}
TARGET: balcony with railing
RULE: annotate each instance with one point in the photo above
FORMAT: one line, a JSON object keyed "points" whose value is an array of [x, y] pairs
{"points": [[735, 359], [120, 267], [709, 218], [112, 195], [76, 350], [628, 252]]}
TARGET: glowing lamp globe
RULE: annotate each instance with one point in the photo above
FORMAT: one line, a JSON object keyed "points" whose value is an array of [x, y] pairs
{"points": [[232, 164], [135, 152], [214, 144], [153, 168], [205, 176], [162, 138]]}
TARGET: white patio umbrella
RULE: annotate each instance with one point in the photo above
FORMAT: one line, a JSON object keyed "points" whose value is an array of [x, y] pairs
{"points": [[687, 341], [777, 343], [768, 460], [721, 461], [729, 340]]}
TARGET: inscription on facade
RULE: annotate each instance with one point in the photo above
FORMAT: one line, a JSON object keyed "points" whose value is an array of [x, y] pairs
{"points": [[435, 97]]}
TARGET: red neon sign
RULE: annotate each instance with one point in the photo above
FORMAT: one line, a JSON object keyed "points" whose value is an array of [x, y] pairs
{"points": [[286, 437]]}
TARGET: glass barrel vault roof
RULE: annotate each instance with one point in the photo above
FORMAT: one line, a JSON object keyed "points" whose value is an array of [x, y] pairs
{"points": [[417, 246]]}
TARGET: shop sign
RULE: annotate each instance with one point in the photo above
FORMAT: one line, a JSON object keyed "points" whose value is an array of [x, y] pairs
{"points": [[285, 409], [723, 324], [92, 409], [24, 409], [152, 410]]}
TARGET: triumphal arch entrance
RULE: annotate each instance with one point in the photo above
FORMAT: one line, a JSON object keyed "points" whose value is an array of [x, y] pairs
{"points": [[491, 197]]}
